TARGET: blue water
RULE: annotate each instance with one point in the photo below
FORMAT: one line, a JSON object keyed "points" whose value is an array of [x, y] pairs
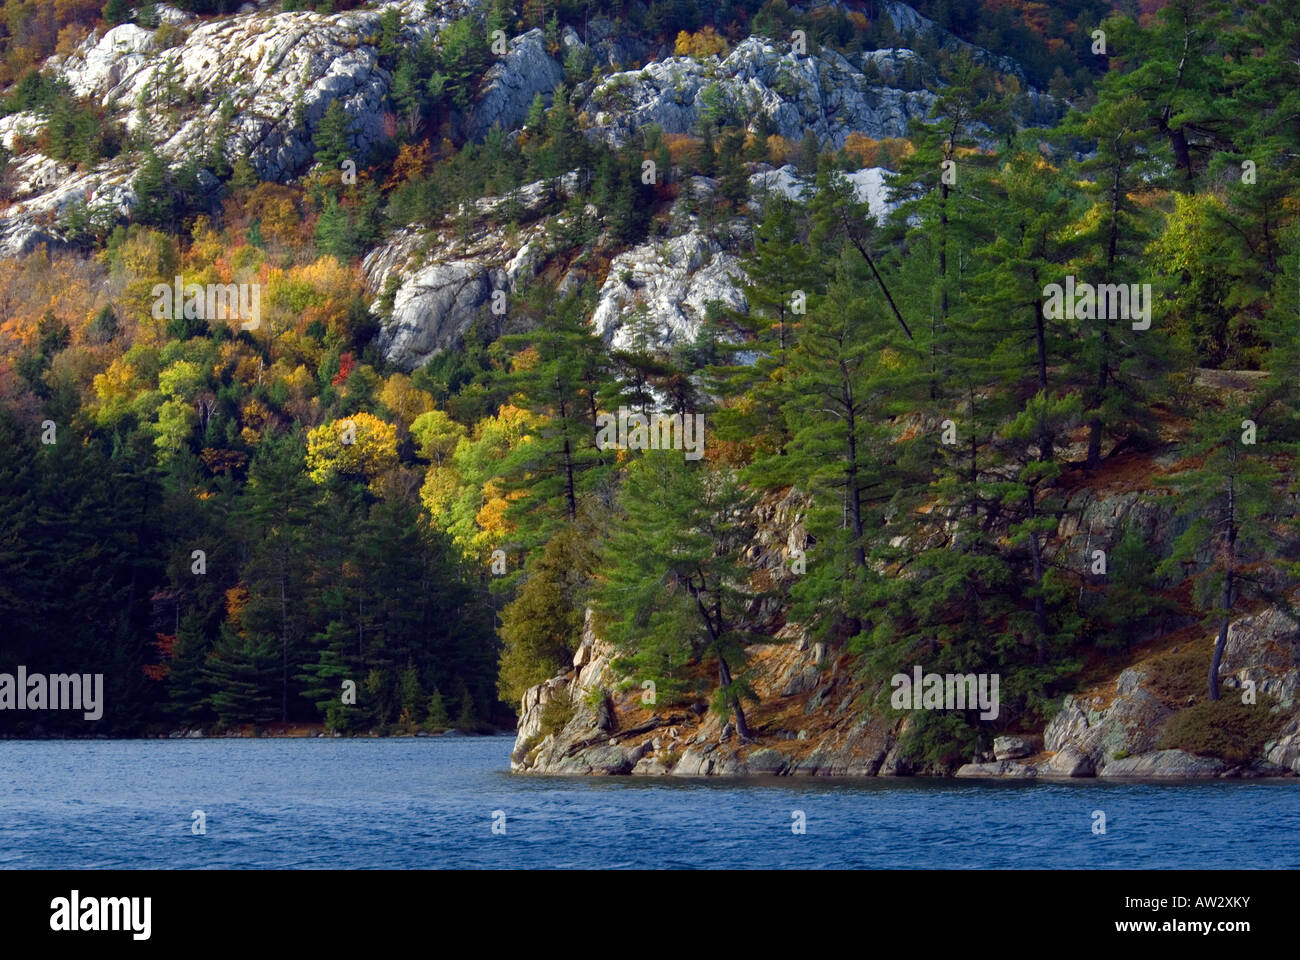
{"points": [[429, 802]]}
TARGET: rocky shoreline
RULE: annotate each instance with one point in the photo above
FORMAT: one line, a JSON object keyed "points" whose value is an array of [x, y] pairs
{"points": [[808, 724], [1084, 739]]}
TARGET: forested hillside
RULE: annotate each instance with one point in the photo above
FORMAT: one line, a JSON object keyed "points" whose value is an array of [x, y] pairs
{"points": [[314, 317]]}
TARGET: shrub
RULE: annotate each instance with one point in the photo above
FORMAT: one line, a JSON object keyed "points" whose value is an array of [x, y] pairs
{"points": [[556, 714], [1228, 729]]}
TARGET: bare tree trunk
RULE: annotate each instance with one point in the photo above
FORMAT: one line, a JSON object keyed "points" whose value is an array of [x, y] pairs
{"points": [[284, 651], [724, 680], [1219, 643], [1231, 548], [1040, 606]]}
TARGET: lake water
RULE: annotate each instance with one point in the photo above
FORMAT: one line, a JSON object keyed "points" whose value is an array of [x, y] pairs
{"points": [[430, 802]]}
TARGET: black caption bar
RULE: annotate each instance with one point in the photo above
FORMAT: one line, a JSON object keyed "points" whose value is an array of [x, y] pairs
{"points": [[134, 909]]}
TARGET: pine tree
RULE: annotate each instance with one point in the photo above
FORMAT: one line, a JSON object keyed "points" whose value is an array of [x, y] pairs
{"points": [[501, 16], [242, 174], [241, 672], [1036, 518], [390, 33], [542, 626], [116, 11], [411, 695], [936, 189], [333, 137], [1031, 208], [280, 501], [1232, 503], [675, 591], [467, 718], [334, 235], [436, 713], [1179, 78], [558, 373], [782, 280], [1118, 359], [187, 676], [323, 680], [152, 185], [849, 371]]}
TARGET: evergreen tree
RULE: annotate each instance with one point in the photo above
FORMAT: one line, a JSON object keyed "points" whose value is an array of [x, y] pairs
{"points": [[558, 374], [334, 235], [333, 137], [850, 371], [279, 512], [782, 277], [542, 626], [241, 672], [152, 185], [1179, 77], [1032, 208], [1118, 359], [675, 591], [1231, 503], [116, 11]]}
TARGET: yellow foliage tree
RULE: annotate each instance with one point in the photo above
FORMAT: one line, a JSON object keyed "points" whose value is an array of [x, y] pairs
{"points": [[278, 205], [114, 390], [705, 42], [863, 149], [462, 494], [438, 493], [403, 399], [360, 446]]}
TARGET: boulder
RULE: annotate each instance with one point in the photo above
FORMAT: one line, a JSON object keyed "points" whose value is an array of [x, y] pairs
{"points": [[1165, 763], [823, 94], [1000, 768], [1264, 647], [672, 282], [765, 760], [649, 766], [1013, 748], [1069, 761], [608, 761], [1285, 751], [868, 185], [530, 709], [907, 22], [695, 761], [1128, 726]]}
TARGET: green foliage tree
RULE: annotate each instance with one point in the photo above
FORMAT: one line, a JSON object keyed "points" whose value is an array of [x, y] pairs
{"points": [[1232, 503], [674, 590], [333, 137]]}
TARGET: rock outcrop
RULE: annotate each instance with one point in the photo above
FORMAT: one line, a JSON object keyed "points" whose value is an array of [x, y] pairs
{"points": [[823, 95], [664, 289], [511, 84], [811, 720]]}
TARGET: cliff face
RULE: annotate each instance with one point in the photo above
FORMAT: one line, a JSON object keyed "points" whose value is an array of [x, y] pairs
{"points": [[258, 84], [810, 720]]}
